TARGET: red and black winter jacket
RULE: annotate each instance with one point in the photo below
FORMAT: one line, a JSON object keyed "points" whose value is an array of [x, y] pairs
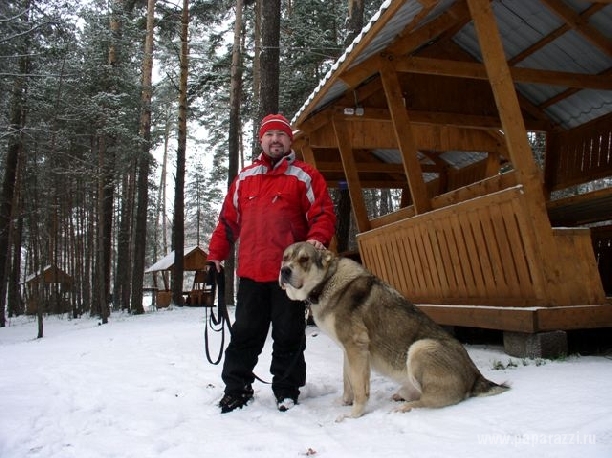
{"points": [[268, 208]]}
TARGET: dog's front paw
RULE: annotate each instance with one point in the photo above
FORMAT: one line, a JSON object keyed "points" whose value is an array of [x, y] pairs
{"points": [[405, 407], [347, 399], [342, 417], [353, 414], [357, 410]]}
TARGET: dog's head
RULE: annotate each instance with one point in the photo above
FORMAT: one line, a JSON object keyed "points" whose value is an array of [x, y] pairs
{"points": [[304, 267]]}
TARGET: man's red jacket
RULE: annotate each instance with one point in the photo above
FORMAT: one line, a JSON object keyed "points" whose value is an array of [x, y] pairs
{"points": [[268, 208]]}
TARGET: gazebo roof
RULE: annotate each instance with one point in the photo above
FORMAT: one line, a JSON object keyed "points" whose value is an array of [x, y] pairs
{"points": [[194, 259], [50, 274], [561, 52]]}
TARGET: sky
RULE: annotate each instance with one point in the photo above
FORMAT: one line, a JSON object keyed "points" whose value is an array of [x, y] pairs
{"points": [[141, 386]]}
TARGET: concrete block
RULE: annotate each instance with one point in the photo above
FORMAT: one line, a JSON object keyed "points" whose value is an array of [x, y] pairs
{"points": [[549, 345]]}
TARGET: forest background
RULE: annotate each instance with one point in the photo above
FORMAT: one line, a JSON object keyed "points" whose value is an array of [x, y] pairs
{"points": [[123, 121]]}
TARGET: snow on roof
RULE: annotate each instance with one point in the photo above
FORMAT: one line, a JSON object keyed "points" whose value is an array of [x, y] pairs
{"points": [[167, 261]]}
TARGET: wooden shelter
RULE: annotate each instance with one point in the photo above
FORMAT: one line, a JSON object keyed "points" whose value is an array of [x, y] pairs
{"points": [[194, 259], [437, 98], [48, 286]]}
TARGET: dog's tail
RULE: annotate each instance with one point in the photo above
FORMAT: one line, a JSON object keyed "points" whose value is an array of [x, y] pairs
{"points": [[484, 387]]}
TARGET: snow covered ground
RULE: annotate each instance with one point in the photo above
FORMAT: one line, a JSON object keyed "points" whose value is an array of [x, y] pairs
{"points": [[141, 387]]}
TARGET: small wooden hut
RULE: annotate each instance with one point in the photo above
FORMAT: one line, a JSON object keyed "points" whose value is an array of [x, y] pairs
{"points": [[48, 286], [194, 260], [438, 99]]}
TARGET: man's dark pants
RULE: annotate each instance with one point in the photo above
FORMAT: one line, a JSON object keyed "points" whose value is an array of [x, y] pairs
{"points": [[258, 305]]}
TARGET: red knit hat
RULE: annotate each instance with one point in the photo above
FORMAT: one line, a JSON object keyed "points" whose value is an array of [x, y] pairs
{"points": [[275, 122]]}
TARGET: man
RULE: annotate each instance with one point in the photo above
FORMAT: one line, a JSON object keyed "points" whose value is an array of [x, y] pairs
{"points": [[272, 203]]}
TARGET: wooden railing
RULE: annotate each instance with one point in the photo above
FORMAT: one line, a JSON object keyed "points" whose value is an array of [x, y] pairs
{"points": [[579, 155], [481, 251]]}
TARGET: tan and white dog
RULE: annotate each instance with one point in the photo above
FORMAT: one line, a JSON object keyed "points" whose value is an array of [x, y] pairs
{"points": [[379, 329]]}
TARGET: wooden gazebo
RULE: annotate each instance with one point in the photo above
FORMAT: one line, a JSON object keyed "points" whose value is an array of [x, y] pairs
{"points": [[438, 99], [194, 259], [49, 287]]}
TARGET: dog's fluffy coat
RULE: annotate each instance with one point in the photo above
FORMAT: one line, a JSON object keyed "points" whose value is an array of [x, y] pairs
{"points": [[379, 329]]}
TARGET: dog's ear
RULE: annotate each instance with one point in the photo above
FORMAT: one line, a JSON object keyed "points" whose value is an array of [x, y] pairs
{"points": [[326, 257]]}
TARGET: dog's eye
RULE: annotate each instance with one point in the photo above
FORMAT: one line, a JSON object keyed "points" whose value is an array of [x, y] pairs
{"points": [[303, 259]]}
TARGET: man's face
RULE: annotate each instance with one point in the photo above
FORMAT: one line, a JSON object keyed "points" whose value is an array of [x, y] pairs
{"points": [[275, 143]]}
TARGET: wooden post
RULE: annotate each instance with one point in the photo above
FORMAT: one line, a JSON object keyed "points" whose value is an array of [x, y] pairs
{"points": [[352, 175], [308, 154], [513, 126], [405, 137]]}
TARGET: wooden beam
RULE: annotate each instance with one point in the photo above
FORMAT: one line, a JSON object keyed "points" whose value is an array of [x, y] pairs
{"points": [[478, 71], [488, 317], [376, 167], [405, 136], [528, 319], [567, 93], [527, 171], [379, 134], [574, 317], [584, 16], [315, 122], [352, 176], [434, 118], [367, 167], [407, 41], [580, 25], [308, 155]]}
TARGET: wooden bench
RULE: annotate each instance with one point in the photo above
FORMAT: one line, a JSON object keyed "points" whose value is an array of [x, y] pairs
{"points": [[478, 263], [581, 209]]}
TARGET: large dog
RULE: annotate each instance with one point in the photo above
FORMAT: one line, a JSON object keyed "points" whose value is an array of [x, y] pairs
{"points": [[378, 328]]}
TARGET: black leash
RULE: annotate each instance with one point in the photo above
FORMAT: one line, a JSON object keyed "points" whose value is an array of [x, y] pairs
{"points": [[217, 321]]}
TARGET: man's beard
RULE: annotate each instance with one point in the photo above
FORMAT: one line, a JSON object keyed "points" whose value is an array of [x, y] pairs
{"points": [[276, 151]]}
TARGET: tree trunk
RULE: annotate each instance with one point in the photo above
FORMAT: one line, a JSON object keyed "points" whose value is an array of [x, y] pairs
{"points": [[270, 53], [161, 196], [100, 302], [144, 166], [178, 232], [234, 134], [88, 249], [11, 163], [257, 73], [108, 199], [106, 153], [15, 305], [355, 20], [122, 288]]}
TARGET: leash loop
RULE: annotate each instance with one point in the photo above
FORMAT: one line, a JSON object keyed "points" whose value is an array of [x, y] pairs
{"points": [[216, 321]]}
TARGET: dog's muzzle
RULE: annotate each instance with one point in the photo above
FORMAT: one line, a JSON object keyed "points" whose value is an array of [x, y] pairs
{"points": [[285, 275]]}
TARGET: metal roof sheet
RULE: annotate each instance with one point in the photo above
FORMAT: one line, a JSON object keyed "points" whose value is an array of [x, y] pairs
{"points": [[522, 23]]}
